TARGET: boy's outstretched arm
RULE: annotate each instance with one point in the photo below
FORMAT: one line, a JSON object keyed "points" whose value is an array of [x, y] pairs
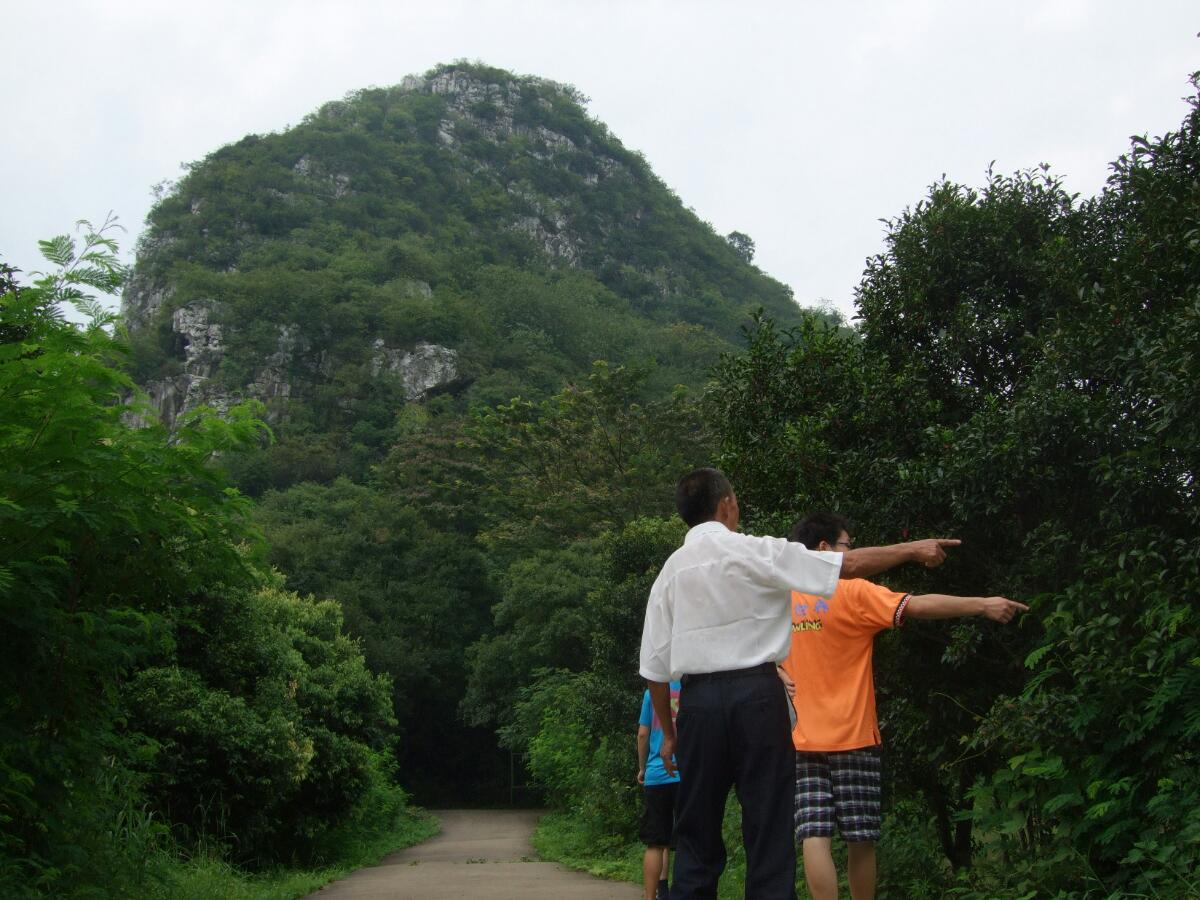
{"points": [[946, 606]]}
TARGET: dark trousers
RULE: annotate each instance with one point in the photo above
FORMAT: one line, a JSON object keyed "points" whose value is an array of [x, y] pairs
{"points": [[734, 731]]}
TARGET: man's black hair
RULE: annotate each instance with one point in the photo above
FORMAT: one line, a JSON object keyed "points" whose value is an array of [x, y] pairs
{"points": [[822, 526], [698, 493]]}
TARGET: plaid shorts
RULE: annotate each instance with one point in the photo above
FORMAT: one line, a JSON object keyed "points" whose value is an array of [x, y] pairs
{"points": [[842, 787]]}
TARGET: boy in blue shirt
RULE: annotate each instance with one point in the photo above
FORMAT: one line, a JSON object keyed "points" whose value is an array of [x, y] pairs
{"points": [[658, 798]]}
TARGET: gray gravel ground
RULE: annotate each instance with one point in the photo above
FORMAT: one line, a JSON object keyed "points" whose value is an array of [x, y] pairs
{"points": [[482, 854]]}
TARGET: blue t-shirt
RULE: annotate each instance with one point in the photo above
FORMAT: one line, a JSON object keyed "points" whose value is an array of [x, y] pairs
{"points": [[655, 772]]}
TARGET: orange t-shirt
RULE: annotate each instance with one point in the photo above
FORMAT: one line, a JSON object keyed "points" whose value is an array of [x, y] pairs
{"points": [[830, 662]]}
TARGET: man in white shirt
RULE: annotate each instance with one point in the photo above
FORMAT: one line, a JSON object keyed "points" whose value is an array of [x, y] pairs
{"points": [[719, 619]]}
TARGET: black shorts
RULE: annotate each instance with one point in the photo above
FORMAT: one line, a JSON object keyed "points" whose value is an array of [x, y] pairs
{"points": [[658, 815]]}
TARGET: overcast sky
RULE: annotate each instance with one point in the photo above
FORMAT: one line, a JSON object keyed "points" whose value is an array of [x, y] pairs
{"points": [[799, 123]]}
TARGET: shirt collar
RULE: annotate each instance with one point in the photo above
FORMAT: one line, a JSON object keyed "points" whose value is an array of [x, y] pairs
{"points": [[702, 529]]}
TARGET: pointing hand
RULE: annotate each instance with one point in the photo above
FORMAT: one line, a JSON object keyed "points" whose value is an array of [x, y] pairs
{"points": [[1001, 609], [932, 551]]}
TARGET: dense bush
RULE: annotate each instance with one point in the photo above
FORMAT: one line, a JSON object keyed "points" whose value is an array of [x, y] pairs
{"points": [[1023, 377], [104, 530], [264, 729], [157, 682], [577, 724], [416, 594], [1025, 381], [569, 477]]}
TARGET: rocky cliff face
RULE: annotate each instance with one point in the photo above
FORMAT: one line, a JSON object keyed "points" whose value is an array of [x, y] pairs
{"points": [[421, 369], [202, 350]]}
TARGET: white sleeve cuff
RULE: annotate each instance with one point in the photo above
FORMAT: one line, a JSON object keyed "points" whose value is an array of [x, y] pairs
{"points": [[651, 675]]}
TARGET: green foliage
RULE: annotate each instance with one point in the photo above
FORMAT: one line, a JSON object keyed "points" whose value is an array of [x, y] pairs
{"points": [[575, 718], [94, 266], [103, 529], [158, 686], [202, 876], [414, 596], [540, 621], [264, 729], [581, 768], [567, 839], [588, 459], [742, 243], [967, 281], [1024, 381], [561, 837]]}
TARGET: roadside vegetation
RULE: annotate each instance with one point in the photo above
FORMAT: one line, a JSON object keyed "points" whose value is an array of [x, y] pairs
{"points": [[1022, 377]]}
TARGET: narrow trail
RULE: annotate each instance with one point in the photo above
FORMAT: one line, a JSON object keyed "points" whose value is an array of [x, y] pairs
{"points": [[482, 854]]}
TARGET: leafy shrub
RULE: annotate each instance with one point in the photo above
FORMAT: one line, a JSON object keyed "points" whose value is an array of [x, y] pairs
{"points": [[105, 530], [266, 730], [1025, 381]]}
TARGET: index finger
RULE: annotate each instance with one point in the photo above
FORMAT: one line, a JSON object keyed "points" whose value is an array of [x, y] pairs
{"points": [[948, 542]]}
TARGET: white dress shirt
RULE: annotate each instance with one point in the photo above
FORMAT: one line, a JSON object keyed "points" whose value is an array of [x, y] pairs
{"points": [[723, 601]]}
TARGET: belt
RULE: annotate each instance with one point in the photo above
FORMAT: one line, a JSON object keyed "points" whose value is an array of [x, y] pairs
{"points": [[767, 668]]}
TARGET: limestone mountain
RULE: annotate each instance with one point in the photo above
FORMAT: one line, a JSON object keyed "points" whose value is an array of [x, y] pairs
{"points": [[468, 232], [380, 274]]}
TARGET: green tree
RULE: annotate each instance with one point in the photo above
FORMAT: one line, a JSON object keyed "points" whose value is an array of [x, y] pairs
{"points": [[590, 458], [742, 244], [263, 727], [575, 721], [415, 597], [585, 462], [104, 530], [1024, 381]]}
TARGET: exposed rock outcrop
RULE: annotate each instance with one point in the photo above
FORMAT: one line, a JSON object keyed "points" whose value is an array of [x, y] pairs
{"points": [[202, 351], [335, 184], [422, 369], [492, 109]]}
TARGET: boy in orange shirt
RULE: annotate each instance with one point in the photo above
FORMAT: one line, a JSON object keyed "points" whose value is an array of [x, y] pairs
{"points": [[838, 765]]}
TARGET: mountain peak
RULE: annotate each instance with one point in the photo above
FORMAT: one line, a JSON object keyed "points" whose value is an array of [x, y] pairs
{"points": [[470, 209]]}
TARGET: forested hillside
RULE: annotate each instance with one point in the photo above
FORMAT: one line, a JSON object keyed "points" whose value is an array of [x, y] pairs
{"points": [[382, 275], [469, 209]]}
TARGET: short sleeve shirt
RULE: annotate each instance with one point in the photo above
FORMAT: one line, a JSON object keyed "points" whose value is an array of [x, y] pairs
{"points": [[830, 662], [656, 772], [721, 602]]}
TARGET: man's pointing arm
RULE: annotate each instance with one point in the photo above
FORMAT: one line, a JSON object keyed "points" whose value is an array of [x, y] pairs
{"points": [[864, 562], [660, 699]]}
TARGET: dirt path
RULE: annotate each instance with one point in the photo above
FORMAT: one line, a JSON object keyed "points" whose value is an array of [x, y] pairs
{"points": [[481, 854]]}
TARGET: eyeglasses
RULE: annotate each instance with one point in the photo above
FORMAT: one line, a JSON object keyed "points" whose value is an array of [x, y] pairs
{"points": [[849, 545]]}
